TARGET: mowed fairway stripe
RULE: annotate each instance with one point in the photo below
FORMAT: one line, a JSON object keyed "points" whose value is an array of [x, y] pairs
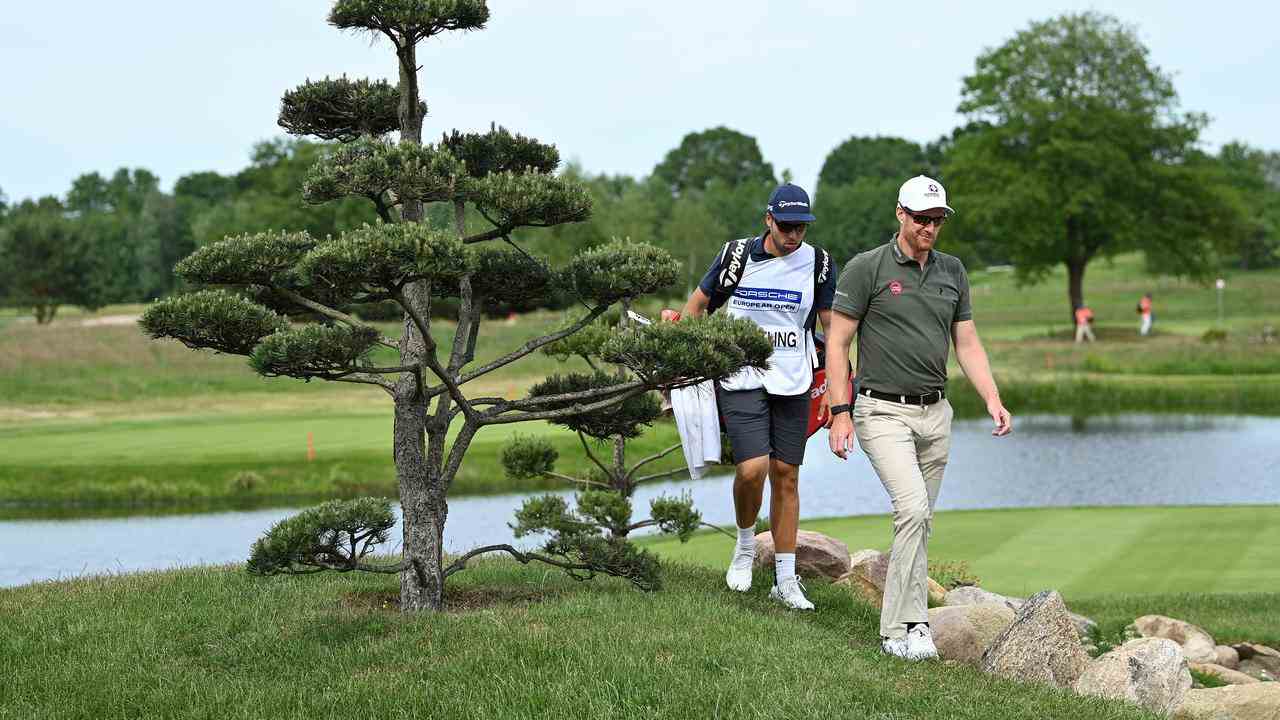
{"points": [[1223, 549], [1081, 552]]}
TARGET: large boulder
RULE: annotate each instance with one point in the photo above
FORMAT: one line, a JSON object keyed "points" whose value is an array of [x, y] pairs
{"points": [[1259, 701], [1228, 657], [1041, 645], [1149, 672], [1225, 674], [867, 575], [963, 632], [1197, 644], [817, 555], [974, 595], [1268, 658]]}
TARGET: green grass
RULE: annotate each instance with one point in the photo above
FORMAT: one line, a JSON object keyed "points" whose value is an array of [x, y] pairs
{"points": [[195, 460], [215, 642], [1087, 554]]}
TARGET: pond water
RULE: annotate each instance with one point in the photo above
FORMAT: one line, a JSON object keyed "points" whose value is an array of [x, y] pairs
{"points": [[1049, 461]]}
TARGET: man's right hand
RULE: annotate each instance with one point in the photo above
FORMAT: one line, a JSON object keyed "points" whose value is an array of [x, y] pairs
{"points": [[841, 435]]}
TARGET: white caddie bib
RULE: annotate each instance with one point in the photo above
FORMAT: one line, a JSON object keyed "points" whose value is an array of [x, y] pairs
{"points": [[776, 294]]}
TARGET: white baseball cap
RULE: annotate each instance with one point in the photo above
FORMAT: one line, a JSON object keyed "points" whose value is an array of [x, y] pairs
{"points": [[923, 193]]}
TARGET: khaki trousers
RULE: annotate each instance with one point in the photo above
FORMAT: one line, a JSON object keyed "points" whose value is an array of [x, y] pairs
{"points": [[908, 446]]}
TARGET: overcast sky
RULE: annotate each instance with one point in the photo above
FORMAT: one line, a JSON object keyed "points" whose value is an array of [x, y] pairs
{"points": [[180, 87]]}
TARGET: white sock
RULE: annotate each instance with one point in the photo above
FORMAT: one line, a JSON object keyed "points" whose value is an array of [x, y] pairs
{"points": [[746, 541], [784, 566]]}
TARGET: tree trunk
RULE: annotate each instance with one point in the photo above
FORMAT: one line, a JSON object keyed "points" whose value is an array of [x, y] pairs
{"points": [[1075, 285], [410, 115], [423, 514], [418, 447]]}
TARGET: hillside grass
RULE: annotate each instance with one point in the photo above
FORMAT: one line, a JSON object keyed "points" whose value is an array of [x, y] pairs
{"points": [[517, 642]]}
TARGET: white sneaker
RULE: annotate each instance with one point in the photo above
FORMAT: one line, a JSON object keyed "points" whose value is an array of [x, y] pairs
{"points": [[896, 647], [739, 575], [920, 643], [791, 594]]}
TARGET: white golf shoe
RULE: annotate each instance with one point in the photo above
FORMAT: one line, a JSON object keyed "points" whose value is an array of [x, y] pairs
{"points": [[920, 643], [739, 576], [896, 647], [791, 593]]}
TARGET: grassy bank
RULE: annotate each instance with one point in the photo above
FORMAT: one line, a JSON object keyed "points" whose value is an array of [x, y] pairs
{"points": [[215, 642], [222, 460]]}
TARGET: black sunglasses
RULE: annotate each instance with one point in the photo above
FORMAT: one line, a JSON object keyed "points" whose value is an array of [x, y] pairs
{"points": [[788, 228], [925, 219]]}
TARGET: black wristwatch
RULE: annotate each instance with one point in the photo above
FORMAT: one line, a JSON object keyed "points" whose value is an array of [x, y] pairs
{"points": [[837, 409]]}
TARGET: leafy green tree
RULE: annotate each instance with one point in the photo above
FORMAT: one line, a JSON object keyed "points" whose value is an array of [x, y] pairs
{"points": [[48, 259], [1085, 154], [719, 154], [695, 232], [857, 188], [1254, 178], [509, 182]]}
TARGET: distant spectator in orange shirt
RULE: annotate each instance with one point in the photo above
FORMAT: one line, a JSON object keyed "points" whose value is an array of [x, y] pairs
{"points": [[1144, 309], [1084, 324]]}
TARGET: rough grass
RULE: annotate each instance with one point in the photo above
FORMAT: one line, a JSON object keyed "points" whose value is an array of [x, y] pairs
{"points": [[215, 642]]}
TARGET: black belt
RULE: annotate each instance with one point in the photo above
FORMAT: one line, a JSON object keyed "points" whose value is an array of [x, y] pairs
{"points": [[922, 400]]}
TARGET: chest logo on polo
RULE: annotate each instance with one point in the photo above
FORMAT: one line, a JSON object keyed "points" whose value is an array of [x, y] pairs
{"points": [[759, 298], [895, 287]]}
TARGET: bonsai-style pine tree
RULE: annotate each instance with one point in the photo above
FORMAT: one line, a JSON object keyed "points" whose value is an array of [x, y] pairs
{"points": [[282, 298], [603, 501]]}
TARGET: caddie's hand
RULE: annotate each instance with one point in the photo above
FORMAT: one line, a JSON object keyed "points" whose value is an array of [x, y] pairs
{"points": [[824, 410], [841, 435], [1001, 416]]}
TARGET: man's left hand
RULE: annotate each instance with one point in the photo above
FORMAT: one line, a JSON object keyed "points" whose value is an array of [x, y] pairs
{"points": [[1001, 416]]}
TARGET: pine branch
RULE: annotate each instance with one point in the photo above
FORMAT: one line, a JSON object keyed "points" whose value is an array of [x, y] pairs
{"points": [[660, 476], [533, 345], [592, 456], [487, 419], [521, 557], [331, 313], [652, 458]]}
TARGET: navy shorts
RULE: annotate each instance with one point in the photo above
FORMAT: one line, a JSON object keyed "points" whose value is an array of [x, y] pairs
{"points": [[762, 424]]}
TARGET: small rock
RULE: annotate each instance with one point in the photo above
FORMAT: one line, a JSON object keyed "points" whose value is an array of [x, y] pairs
{"points": [[963, 632], [1041, 645], [1253, 668], [817, 555], [867, 576], [1225, 674], [1259, 701], [1197, 644], [1149, 672], [1227, 657], [863, 555], [937, 593], [1267, 657]]}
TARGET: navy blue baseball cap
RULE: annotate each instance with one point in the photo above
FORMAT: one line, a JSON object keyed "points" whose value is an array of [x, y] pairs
{"points": [[790, 203]]}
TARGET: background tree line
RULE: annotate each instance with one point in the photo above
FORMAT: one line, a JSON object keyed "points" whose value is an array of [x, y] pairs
{"points": [[1073, 149]]}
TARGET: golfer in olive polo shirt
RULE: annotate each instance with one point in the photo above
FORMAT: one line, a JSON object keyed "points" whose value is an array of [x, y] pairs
{"points": [[907, 303]]}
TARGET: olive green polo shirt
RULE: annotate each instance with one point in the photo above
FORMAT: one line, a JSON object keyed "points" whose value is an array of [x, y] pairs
{"points": [[905, 315]]}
